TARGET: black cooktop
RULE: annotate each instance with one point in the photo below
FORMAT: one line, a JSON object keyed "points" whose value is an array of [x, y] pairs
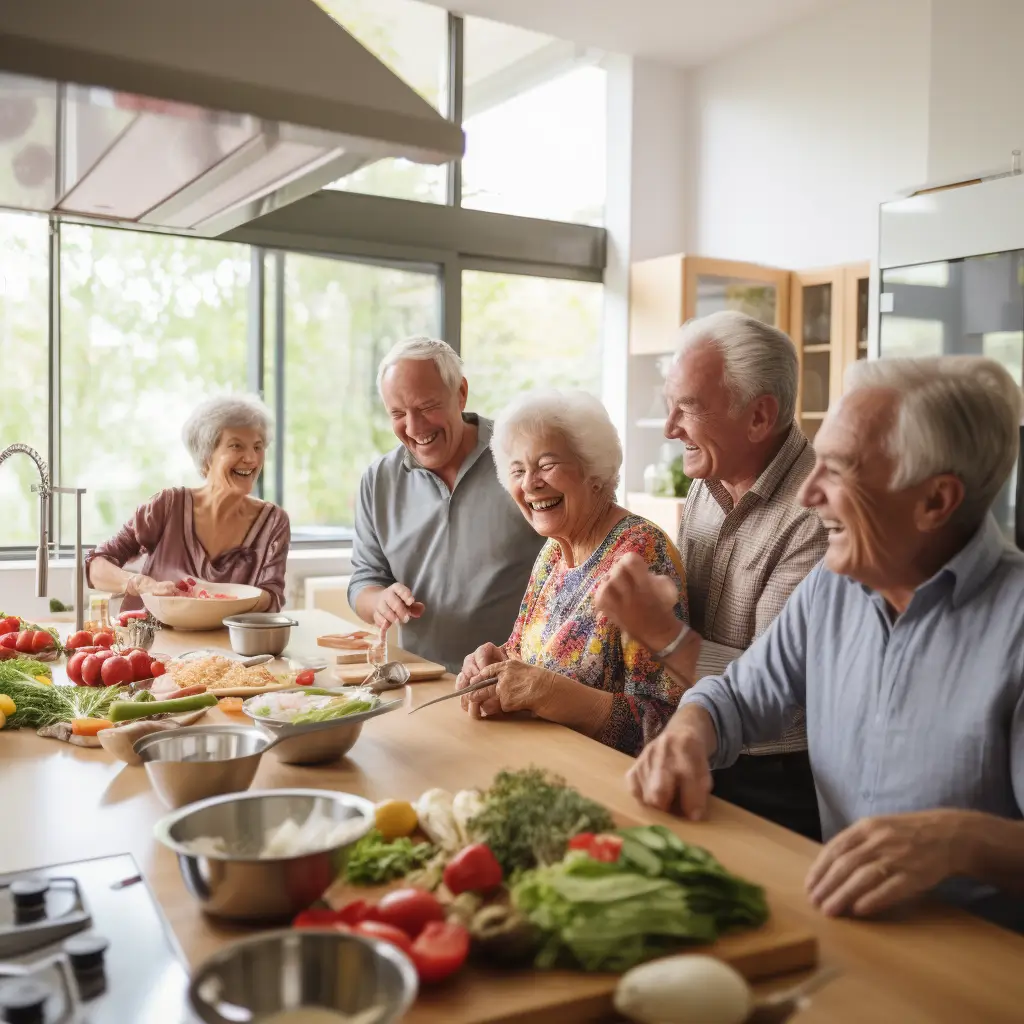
{"points": [[85, 943]]}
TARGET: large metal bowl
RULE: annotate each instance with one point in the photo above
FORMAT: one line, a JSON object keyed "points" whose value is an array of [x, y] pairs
{"points": [[185, 765], [267, 974], [259, 632], [240, 885], [318, 742]]}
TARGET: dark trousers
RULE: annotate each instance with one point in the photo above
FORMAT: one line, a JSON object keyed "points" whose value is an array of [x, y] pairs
{"points": [[778, 787]]}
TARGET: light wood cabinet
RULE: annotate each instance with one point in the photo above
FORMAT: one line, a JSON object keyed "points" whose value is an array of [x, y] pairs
{"points": [[664, 512], [667, 291], [829, 327]]}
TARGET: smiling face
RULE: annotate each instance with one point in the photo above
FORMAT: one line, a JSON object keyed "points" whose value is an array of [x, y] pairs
{"points": [[426, 415], [719, 442], [874, 533], [238, 458], [550, 487]]}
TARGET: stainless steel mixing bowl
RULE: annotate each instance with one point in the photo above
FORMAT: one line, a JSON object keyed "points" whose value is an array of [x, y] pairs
{"points": [[239, 884], [368, 981], [259, 632], [317, 742], [200, 761]]}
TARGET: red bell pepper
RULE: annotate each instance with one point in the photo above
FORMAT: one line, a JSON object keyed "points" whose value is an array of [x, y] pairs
{"points": [[602, 846], [474, 869]]}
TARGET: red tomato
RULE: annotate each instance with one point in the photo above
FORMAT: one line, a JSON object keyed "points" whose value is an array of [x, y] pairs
{"points": [[116, 671], [9, 641], [603, 847], [10, 624], [317, 917], [91, 669], [103, 639], [42, 641], [386, 932], [74, 668], [139, 661], [305, 677], [25, 638], [440, 951], [474, 869], [156, 668], [125, 617], [83, 638], [409, 909]]}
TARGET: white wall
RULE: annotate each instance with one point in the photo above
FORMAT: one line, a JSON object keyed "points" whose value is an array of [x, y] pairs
{"points": [[799, 136], [975, 114]]}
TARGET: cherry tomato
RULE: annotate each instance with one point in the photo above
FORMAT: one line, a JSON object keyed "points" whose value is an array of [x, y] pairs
{"points": [[9, 641], [386, 932], [42, 641], [83, 638], [91, 667], [305, 677], [324, 917], [474, 869], [10, 624], [24, 643], [157, 668], [409, 909], [140, 662], [440, 951], [602, 847], [103, 639]]}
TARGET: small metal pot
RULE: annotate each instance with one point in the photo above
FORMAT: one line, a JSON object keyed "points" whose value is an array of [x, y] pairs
{"points": [[242, 886], [259, 632], [185, 765], [363, 979]]}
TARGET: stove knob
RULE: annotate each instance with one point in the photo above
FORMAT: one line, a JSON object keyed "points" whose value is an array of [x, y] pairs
{"points": [[86, 955], [23, 1001], [29, 893]]}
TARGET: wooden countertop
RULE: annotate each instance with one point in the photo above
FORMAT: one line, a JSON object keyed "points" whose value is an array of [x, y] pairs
{"points": [[63, 803]]}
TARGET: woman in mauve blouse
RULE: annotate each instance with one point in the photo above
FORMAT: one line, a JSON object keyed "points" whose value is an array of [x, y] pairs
{"points": [[218, 532]]}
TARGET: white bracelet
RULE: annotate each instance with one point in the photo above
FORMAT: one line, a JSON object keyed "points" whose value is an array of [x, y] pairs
{"points": [[667, 651]]}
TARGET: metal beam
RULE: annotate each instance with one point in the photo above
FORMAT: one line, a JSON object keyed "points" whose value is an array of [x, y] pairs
{"points": [[456, 91], [331, 221]]}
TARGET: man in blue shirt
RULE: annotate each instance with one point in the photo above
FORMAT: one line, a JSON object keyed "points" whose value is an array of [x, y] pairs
{"points": [[904, 648]]}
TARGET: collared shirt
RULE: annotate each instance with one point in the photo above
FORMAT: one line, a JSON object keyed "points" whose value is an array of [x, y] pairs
{"points": [[922, 712], [466, 554], [742, 562]]}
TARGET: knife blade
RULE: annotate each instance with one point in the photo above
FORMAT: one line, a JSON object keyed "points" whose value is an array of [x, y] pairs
{"points": [[455, 693]]}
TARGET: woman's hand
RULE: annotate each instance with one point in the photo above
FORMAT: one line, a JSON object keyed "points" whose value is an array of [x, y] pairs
{"points": [[475, 663], [517, 687], [138, 585]]}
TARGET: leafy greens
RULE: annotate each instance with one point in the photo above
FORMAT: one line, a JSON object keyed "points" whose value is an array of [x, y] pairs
{"points": [[374, 859]]}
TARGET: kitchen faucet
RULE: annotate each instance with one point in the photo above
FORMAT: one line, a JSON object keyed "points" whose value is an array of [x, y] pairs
{"points": [[44, 489]]}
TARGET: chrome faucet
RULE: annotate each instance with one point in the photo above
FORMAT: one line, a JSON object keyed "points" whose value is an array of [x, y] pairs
{"points": [[44, 489]]}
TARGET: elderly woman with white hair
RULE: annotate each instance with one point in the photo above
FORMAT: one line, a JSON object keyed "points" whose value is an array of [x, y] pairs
{"points": [[558, 455], [219, 532]]}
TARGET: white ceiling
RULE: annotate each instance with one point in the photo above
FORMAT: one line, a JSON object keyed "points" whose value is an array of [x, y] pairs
{"points": [[682, 32]]}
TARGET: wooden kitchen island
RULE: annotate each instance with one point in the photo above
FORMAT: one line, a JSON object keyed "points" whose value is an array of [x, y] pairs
{"points": [[64, 803]]}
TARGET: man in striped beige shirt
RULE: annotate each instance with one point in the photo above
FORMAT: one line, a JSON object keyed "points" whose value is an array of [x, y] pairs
{"points": [[745, 539]]}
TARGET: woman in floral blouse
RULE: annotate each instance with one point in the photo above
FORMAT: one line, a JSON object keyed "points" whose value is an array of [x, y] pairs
{"points": [[559, 455]]}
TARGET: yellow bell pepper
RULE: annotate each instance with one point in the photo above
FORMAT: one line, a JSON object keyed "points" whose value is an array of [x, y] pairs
{"points": [[45, 680], [6, 705]]}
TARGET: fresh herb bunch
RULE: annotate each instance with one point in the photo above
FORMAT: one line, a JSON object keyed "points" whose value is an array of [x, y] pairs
{"points": [[374, 859], [39, 705], [529, 816], [661, 894]]}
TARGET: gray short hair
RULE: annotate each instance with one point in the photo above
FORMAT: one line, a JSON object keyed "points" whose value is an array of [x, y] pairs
{"points": [[444, 357], [956, 414], [578, 416], [208, 421], [759, 359]]}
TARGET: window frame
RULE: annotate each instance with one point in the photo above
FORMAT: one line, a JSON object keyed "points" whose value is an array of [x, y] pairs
{"points": [[440, 238]]}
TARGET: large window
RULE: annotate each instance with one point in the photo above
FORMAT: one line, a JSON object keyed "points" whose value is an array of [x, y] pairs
{"points": [[340, 319], [150, 325], [412, 40], [24, 355], [520, 333], [535, 123]]}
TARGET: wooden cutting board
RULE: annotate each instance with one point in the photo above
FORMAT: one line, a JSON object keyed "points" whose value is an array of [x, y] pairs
{"points": [[419, 672], [358, 640]]}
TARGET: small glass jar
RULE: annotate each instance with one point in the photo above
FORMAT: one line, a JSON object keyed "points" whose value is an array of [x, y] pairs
{"points": [[377, 652], [99, 611]]}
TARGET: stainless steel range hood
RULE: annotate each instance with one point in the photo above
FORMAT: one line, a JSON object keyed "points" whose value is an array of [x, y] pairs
{"points": [[194, 115]]}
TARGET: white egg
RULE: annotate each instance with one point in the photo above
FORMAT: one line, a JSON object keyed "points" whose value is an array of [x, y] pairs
{"points": [[689, 989]]}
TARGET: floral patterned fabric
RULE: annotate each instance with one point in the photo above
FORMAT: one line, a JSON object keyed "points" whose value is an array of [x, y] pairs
{"points": [[559, 629]]}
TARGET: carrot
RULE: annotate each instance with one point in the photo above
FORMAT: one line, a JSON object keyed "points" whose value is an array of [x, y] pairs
{"points": [[89, 726], [232, 705]]}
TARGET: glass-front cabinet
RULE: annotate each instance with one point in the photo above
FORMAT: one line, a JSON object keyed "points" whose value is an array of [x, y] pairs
{"points": [[971, 306]]}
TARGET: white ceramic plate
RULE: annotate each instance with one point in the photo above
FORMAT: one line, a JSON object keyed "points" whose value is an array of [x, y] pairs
{"points": [[195, 613]]}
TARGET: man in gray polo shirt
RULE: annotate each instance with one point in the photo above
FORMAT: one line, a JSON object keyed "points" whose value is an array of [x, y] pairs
{"points": [[440, 547]]}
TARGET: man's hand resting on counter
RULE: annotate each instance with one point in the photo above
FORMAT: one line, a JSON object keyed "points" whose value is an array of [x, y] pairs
{"points": [[672, 772]]}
